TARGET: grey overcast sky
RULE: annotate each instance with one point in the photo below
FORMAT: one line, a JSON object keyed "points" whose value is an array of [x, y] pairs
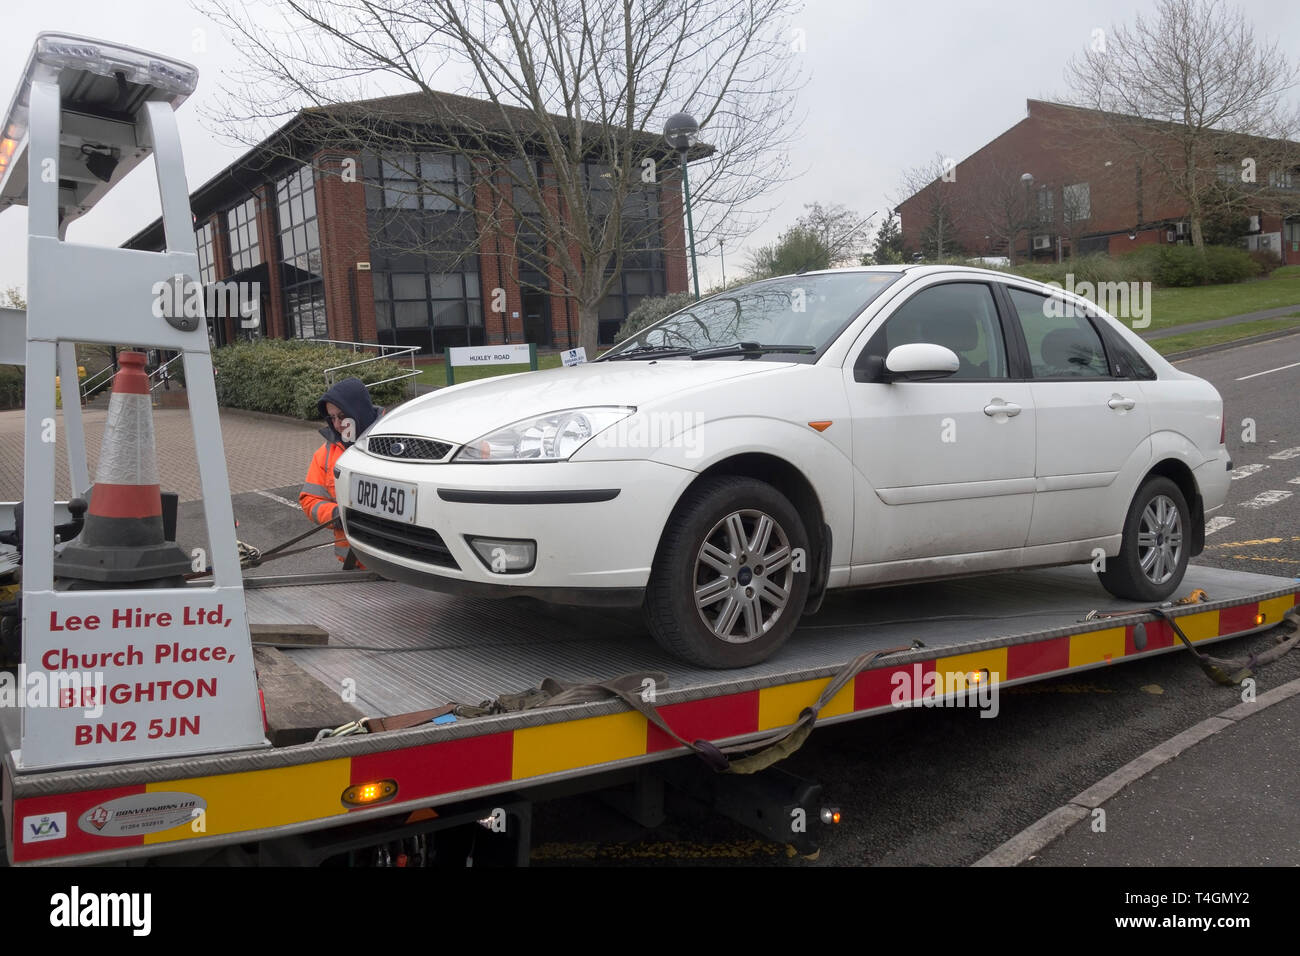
{"points": [[890, 85]]}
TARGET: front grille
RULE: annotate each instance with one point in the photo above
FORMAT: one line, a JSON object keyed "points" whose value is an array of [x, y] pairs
{"points": [[408, 448], [396, 537]]}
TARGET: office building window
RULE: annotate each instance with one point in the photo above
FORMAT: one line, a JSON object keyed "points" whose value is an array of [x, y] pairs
{"points": [[203, 243], [241, 231], [431, 310], [1077, 203], [300, 254], [436, 182], [641, 272]]}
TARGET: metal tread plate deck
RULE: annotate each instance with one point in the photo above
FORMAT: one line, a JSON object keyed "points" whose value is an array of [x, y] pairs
{"points": [[468, 650], [444, 648]]}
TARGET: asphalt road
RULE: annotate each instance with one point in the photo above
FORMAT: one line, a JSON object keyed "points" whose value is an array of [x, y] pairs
{"points": [[1259, 528]]}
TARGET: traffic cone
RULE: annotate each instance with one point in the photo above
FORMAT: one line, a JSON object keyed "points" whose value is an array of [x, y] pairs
{"points": [[122, 543]]}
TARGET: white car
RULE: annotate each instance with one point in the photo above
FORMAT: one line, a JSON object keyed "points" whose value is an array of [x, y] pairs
{"points": [[726, 466]]}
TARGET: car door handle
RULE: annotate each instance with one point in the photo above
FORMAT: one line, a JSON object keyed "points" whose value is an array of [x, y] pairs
{"points": [[1000, 407], [1119, 401]]}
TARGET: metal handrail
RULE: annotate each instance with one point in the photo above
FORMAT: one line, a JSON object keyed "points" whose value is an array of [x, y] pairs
{"points": [[392, 352], [90, 385], [162, 368]]}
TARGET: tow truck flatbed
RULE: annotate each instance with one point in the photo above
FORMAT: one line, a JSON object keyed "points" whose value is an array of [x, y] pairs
{"points": [[1017, 627]]}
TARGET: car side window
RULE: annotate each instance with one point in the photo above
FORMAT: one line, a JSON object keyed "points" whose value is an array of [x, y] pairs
{"points": [[961, 316], [1062, 342]]}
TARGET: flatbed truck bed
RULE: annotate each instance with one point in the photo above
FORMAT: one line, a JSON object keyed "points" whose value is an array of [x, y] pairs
{"points": [[397, 649]]}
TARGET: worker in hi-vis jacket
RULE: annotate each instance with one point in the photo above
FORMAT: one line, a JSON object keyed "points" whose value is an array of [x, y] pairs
{"points": [[348, 412]]}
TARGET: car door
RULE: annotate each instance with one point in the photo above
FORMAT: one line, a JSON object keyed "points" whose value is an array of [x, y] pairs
{"points": [[944, 467], [1093, 423]]}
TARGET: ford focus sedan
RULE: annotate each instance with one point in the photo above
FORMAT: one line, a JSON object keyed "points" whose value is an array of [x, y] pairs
{"points": [[725, 467]]}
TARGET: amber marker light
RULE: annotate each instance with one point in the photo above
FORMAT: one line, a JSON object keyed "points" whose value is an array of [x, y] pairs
{"points": [[1260, 618], [830, 815], [820, 426], [368, 794]]}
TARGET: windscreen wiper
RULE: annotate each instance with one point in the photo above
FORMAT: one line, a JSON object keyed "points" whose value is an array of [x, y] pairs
{"points": [[749, 348], [647, 351]]}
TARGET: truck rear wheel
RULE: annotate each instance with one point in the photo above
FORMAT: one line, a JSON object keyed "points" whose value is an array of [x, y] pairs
{"points": [[730, 580]]}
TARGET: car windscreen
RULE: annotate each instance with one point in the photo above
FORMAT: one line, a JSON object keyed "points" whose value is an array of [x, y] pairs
{"points": [[798, 311]]}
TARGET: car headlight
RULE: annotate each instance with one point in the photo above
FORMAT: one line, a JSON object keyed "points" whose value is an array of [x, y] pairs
{"points": [[551, 437]]}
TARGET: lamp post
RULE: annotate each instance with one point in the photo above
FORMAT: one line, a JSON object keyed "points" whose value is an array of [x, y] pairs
{"points": [[681, 133], [1028, 180]]}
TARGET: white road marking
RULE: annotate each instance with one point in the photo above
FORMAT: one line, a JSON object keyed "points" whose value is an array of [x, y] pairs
{"points": [[1266, 498], [1270, 371], [283, 501], [1285, 454], [1293, 481], [1245, 471], [1219, 523]]}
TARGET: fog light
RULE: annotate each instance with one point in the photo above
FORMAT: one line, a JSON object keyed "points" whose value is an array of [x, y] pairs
{"points": [[505, 555]]}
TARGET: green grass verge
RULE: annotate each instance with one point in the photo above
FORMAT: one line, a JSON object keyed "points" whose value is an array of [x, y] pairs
{"points": [[1171, 307], [1224, 333], [1285, 272]]}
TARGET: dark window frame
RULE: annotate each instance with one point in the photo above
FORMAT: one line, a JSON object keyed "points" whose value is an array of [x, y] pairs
{"points": [[240, 222]]}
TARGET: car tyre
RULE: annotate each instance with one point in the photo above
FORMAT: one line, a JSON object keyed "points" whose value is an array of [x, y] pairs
{"points": [[730, 579], [1155, 547]]}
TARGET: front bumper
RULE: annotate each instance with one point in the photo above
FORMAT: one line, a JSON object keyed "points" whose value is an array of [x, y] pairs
{"points": [[596, 525]]}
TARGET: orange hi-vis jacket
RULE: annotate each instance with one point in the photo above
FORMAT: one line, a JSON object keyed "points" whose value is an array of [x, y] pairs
{"points": [[317, 496]]}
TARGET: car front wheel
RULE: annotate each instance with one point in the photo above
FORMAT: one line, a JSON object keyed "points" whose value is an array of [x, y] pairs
{"points": [[1153, 554], [731, 577]]}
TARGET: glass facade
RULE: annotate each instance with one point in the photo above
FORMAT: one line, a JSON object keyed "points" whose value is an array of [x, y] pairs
{"points": [[642, 273], [423, 250], [241, 231], [300, 255], [207, 260]]}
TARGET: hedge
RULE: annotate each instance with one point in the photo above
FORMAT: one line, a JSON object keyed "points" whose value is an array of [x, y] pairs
{"points": [[1160, 265], [288, 377], [11, 386]]}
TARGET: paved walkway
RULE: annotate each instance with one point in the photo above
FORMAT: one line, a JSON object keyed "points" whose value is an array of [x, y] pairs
{"points": [[261, 451], [1278, 313]]}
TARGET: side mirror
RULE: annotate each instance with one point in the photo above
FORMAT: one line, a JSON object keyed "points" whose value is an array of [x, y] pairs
{"points": [[919, 362]]}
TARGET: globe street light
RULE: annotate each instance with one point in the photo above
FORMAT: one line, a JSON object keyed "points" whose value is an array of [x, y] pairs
{"points": [[681, 132]]}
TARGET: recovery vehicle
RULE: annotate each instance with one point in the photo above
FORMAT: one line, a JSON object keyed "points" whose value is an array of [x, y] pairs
{"points": [[176, 723]]}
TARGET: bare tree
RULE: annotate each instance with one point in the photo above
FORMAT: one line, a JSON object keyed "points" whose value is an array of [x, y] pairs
{"points": [[841, 230], [1194, 98], [1076, 213], [932, 190], [564, 136], [1004, 203]]}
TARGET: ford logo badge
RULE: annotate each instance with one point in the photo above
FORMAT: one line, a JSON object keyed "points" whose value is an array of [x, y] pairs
{"points": [[399, 448]]}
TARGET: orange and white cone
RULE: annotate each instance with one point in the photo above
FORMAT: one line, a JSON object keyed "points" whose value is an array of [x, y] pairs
{"points": [[122, 542]]}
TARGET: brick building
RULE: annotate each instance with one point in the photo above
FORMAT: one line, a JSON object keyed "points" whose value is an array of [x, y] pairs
{"points": [[349, 243], [1051, 185]]}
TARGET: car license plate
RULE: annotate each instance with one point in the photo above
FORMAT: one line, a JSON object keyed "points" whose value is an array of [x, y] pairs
{"points": [[387, 499]]}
